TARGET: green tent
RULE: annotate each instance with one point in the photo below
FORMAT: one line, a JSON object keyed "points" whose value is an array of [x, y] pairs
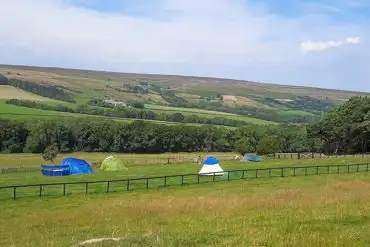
{"points": [[113, 164]]}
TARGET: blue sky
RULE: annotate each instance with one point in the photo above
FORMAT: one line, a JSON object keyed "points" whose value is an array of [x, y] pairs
{"points": [[297, 42]]}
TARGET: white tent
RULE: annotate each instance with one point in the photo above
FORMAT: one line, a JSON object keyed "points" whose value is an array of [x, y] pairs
{"points": [[211, 167]]}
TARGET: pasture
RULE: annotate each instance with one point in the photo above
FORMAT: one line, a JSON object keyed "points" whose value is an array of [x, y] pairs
{"points": [[323, 210], [312, 211], [146, 165], [9, 92], [206, 114], [13, 112]]}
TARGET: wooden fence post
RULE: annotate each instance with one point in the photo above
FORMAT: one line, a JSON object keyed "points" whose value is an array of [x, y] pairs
{"points": [[128, 185], [14, 193]]}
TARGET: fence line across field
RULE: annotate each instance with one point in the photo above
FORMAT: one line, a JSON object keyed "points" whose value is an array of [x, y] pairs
{"points": [[186, 159], [165, 181]]}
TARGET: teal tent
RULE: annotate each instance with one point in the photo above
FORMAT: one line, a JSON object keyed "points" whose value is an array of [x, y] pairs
{"points": [[252, 157]]}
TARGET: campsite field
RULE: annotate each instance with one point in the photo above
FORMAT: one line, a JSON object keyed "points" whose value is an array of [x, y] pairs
{"points": [[148, 166], [325, 210]]}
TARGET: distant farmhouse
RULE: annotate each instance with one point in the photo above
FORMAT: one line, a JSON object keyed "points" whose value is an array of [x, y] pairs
{"points": [[117, 103]]}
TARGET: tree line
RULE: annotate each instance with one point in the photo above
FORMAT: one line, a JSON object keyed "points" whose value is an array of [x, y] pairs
{"points": [[345, 129], [145, 137], [48, 91], [123, 112]]}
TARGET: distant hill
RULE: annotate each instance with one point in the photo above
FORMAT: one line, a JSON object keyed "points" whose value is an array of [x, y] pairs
{"points": [[272, 102]]}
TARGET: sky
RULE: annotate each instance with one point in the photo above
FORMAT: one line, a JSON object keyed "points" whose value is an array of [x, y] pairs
{"points": [[297, 42]]}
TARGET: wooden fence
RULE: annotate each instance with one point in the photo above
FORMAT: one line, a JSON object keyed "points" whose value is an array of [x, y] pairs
{"points": [[307, 155], [146, 183]]}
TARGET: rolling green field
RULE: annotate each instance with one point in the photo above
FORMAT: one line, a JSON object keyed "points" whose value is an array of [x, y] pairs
{"points": [[13, 112], [206, 114], [324, 210], [20, 113], [192, 110], [85, 85]]}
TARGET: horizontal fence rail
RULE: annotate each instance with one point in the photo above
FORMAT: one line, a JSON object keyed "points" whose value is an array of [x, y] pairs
{"points": [[146, 183], [309, 155], [19, 169]]}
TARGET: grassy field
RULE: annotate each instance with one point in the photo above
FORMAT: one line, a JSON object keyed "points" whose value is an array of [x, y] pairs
{"points": [[13, 112], [206, 114], [322, 210], [147, 166], [9, 92], [296, 112], [325, 210], [16, 112], [178, 109]]}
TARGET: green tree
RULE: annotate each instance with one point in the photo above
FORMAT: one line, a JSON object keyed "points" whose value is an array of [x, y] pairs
{"points": [[268, 145], [50, 153]]}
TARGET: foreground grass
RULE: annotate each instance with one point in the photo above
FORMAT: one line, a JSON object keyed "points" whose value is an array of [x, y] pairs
{"points": [[331, 210]]}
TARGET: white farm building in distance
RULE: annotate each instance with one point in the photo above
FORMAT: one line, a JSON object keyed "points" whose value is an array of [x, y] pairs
{"points": [[116, 103]]}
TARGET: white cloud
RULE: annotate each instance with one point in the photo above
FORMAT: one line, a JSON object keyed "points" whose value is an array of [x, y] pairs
{"points": [[309, 46], [228, 38]]}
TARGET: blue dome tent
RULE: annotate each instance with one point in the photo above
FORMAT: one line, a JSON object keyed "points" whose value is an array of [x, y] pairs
{"points": [[69, 166], [252, 157]]}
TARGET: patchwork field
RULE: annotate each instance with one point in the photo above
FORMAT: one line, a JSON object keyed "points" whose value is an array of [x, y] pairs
{"points": [[8, 92], [13, 112], [192, 110], [207, 114], [257, 102]]}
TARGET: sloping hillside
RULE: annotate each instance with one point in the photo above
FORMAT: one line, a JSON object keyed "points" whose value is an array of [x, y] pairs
{"points": [[269, 102]]}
